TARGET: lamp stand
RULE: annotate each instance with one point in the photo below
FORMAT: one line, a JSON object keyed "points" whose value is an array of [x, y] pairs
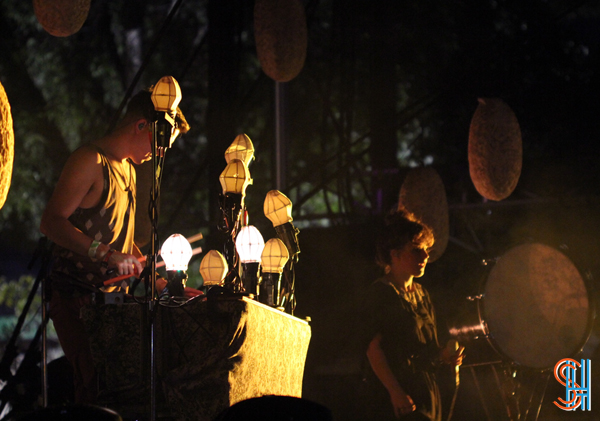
{"points": [[152, 302], [250, 276], [270, 285], [231, 208]]}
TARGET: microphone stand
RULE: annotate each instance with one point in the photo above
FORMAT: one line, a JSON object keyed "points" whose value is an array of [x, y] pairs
{"points": [[453, 346], [152, 278]]}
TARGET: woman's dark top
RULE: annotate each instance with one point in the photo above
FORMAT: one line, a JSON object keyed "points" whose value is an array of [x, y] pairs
{"points": [[406, 322]]}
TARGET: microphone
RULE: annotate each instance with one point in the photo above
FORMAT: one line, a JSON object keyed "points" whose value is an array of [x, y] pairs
{"points": [[452, 347]]}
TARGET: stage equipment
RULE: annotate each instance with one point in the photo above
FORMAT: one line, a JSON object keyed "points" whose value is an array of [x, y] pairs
{"points": [[213, 268], [244, 264], [452, 346], [241, 148], [278, 208], [166, 96], [234, 179], [533, 310], [273, 259], [249, 244], [176, 251], [210, 355]]}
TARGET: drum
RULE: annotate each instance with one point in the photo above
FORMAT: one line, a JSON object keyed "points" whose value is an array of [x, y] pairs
{"points": [[534, 308]]}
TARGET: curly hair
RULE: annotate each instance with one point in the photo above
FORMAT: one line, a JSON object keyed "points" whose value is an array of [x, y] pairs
{"points": [[401, 227]]}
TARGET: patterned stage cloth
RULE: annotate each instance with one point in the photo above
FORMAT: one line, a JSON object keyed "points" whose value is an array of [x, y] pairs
{"points": [[208, 356]]}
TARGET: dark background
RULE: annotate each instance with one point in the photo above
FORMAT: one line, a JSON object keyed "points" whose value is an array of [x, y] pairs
{"points": [[386, 86]]}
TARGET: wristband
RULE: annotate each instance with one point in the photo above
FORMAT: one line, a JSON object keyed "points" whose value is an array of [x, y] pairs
{"points": [[93, 249], [107, 257]]}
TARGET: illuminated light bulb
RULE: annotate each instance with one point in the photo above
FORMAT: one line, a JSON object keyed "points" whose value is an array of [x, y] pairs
{"points": [[249, 244], [176, 251]]}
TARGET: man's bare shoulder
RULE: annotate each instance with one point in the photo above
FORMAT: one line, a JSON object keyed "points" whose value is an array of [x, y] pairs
{"points": [[84, 163], [87, 155]]}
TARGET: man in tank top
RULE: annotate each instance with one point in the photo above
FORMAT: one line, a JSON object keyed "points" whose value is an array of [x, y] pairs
{"points": [[90, 218]]}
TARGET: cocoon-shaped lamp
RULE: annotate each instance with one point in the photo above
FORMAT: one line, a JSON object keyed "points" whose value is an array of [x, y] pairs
{"points": [[241, 148], [213, 268], [423, 194], [495, 149], [274, 256], [278, 208], [7, 146], [166, 94], [61, 18], [235, 177], [280, 34]]}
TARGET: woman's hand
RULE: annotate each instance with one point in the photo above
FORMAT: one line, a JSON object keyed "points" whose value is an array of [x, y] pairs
{"points": [[402, 403], [452, 357]]}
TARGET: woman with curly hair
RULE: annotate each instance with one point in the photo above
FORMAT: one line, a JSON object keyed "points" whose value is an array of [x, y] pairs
{"points": [[403, 351]]}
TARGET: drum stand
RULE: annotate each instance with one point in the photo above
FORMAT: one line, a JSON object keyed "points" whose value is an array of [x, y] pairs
{"points": [[522, 392]]}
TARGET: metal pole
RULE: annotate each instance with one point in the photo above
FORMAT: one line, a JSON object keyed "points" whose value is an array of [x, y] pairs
{"points": [[44, 345], [280, 134], [152, 277]]}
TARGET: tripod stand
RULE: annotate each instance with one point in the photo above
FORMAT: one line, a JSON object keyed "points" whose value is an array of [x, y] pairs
{"points": [[20, 383]]}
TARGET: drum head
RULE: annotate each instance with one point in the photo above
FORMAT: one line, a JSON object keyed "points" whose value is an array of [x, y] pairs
{"points": [[536, 306]]}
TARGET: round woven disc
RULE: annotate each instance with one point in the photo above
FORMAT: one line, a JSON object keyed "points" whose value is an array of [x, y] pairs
{"points": [[61, 18], [536, 306], [495, 149], [7, 146], [281, 37], [423, 193]]}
